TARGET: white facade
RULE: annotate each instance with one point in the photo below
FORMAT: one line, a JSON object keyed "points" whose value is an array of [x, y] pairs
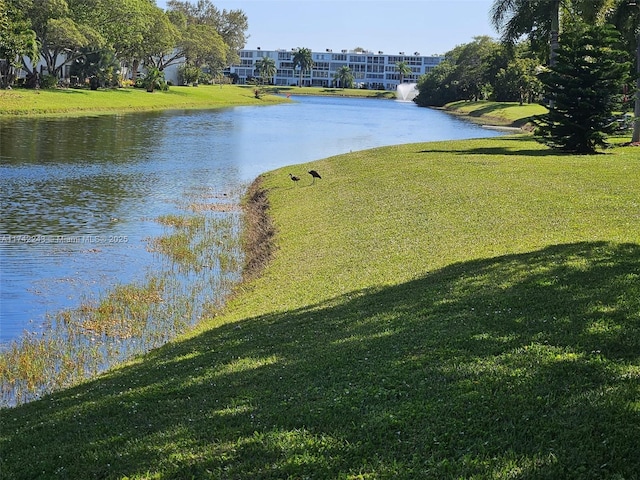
{"points": [[370, 70], [376, 71]]}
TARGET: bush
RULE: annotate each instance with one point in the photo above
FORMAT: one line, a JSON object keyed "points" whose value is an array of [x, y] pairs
{"points": [[154, 79], [48, 81], [205, 78], [188, 74]]}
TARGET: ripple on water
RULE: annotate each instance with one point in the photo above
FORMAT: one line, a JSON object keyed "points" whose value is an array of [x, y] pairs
{"points": [[111, 176]]}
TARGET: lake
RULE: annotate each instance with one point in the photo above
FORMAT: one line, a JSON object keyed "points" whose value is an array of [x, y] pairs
{"points": [[81, 196]]}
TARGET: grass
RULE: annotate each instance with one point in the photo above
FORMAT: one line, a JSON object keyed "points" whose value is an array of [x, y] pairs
{"points": [[510, 114], [67, 102], [335, 92], [70, 102], [464, 309]]}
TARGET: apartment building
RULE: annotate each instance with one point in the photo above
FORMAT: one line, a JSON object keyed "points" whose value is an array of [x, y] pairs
{"points": [[370, 70]]}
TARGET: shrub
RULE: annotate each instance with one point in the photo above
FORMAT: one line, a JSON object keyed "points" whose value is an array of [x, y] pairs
{"points": [[154, 79], [48, 81]]}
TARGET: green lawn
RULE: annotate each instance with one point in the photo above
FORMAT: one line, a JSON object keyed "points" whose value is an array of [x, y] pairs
{"points": [[67, 102], [335, 92], [497, 113], [463, 309], [24, 102]]}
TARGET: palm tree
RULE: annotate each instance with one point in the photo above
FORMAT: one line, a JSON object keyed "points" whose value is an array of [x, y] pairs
{"points": [[515, 18], [266, 68], [302, 58], [344, 77], [154, 79], [403, 69], [539, 19]]}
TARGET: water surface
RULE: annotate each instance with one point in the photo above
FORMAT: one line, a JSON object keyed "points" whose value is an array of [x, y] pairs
{"points": [[80, 196]]}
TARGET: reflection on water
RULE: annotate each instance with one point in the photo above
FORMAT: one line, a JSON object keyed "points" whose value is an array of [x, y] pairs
{"points": [[80, 196]]}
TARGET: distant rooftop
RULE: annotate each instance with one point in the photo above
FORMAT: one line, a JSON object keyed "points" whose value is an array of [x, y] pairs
{"points": [[353, 52]]}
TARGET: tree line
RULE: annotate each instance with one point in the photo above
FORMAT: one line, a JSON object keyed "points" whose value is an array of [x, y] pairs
{"points": [[103, 37], [581, 58]]}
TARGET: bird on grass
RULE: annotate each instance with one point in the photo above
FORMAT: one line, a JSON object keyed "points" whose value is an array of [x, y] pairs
{"points": [[314, 174], [294, 178]]}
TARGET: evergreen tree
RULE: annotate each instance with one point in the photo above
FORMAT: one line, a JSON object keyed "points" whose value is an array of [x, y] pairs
{"points": [[585, 86]]}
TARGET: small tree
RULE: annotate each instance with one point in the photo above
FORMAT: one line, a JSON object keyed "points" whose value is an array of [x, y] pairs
{"points": [[403, 70], [585, 86], [188, 73], [17, 40], [303, 59], [344, 77], [517, 82], [100, 66], [154, 79], [266, 67]]}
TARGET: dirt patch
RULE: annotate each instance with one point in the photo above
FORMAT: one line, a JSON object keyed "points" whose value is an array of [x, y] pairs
{"points": [[259, 232]]}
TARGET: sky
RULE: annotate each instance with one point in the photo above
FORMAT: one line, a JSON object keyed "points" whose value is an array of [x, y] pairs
{"points": [[392, 26]]}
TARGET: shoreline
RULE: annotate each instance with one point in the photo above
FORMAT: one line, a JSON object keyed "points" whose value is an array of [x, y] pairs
{"points": [[390, 324], [513, 115], [258, 230], [491, 123], [64, 103]]}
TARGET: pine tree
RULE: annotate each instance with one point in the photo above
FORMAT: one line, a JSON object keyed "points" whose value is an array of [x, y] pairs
{"points": [[586, 88]]}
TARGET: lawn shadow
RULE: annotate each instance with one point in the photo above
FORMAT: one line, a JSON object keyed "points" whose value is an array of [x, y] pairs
{"points": [[488, 109], [508, 146], [517, 362]]}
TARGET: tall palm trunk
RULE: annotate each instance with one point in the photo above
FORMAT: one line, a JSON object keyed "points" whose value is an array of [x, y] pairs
{"points": [[636, 124], [554, 41], [555, 32]]}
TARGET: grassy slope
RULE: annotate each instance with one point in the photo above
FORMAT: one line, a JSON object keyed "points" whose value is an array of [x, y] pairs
{"points": [[22, 102], [496, 113], [79, 102], [441, 310], [336, 92]]}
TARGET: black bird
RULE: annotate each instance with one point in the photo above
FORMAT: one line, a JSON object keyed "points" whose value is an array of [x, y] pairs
{"points": [[294, 178], [314, 174]]}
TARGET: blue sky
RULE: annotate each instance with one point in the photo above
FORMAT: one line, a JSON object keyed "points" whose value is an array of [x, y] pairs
{"points": [[425, 26]]}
